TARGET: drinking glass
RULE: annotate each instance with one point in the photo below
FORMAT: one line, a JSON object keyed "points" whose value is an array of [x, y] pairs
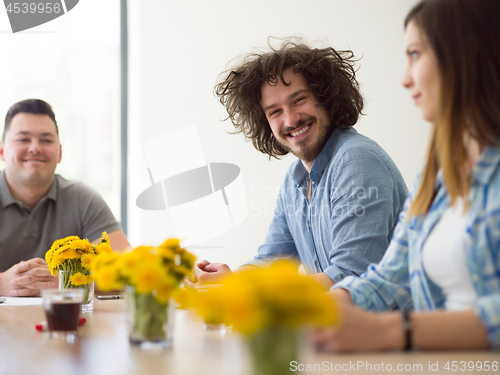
{"points": [[62, 309]]}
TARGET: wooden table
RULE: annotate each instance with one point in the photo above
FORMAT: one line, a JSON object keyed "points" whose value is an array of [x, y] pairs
{"points": [[103, 348]]}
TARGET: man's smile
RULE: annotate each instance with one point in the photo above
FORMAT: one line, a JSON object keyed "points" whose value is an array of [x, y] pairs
{"points": [[34, 160], [300, 130]]}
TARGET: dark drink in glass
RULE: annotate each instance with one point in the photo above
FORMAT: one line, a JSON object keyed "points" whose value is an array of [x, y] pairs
{"points": [[62, 309], [63, 316]]}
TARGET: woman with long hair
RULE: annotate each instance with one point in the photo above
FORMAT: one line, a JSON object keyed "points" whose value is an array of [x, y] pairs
{"points": [[438, 284]]}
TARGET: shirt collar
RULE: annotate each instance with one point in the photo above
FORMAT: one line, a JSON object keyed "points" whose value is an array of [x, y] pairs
{"points": [[6, 197], [487, 164], [484, 168], [299, 173], [52, 193]]}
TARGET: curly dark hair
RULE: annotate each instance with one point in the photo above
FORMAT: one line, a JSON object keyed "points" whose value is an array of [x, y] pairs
{"points": [[330, 74]]}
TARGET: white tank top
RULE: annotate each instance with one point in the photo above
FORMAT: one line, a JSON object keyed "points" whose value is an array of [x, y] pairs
{"points": [[444, 261]]}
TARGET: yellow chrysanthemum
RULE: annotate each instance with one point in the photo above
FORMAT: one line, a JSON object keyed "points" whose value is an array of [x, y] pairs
{"points": [[182, 270], [48, 256], [69, 239], [164, 290], [172, 243], [103, 248], [143, 249], [105, 237], [167, 253], [69, 254], [129, 262], [81, 245], [63, 241], [188, 259], [55, 245], [62, 248], [147, 277], [259, 298], [107, 278], [104, 260], [74, 256], [55, 263], [148, 269], [78, 278], [89, 279], [86, 261]]}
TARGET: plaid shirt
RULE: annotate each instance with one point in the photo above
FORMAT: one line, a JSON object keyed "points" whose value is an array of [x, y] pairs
{"points": [[399, 280]]}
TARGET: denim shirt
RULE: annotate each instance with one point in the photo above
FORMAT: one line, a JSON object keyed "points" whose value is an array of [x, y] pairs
{"points": [[399, 280], [357, 195]]}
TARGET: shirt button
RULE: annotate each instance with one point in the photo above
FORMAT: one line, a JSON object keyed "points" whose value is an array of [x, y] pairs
{"points": [[317, 263]]}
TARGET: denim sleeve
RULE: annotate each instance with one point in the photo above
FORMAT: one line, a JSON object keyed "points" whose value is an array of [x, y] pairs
{"points": [[364, 210], [384, 286], [484, 263], [279, 243], [488, 310]]}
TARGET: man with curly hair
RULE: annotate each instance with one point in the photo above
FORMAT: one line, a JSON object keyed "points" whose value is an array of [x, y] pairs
{"points": [[339, 203]]}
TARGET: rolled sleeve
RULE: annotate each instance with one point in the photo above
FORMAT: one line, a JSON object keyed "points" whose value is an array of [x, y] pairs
{"points": [[337, 273]]}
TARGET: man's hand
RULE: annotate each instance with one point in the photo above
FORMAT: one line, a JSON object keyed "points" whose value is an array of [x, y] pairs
{"points": [[207, 273], [26, 279]]}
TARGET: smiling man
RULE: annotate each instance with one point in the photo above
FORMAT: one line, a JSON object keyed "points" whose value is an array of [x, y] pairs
{"points": [[37, 206], [339, 203]]}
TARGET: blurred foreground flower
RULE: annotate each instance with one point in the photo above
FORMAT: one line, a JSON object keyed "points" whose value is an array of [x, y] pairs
{"points": [[256, 299], [150, 276], [267, 306]]}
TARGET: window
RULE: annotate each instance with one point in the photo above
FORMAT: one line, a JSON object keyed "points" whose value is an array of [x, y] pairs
{"points": [[73, 63]]}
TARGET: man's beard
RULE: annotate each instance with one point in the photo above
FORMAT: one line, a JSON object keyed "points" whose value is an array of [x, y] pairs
{"points": [[311, 153]]}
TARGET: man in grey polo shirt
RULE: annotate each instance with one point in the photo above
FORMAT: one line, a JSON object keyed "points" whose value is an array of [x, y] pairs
{"points": [[37, 206]]}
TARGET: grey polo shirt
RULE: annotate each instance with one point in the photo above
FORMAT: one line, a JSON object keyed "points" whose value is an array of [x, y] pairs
{"points": [[70, 208]]}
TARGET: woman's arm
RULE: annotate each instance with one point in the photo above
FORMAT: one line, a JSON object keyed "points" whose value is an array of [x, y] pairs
{"points": [[448, 330], [360, 330]]}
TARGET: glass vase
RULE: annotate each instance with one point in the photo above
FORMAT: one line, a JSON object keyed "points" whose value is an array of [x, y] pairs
{"points": [[272, 349], [150, 322], [88, 289]]}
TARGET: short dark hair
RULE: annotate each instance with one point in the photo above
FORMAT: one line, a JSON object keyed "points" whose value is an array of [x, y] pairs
{"points": [[34, 106], [329, 73]]}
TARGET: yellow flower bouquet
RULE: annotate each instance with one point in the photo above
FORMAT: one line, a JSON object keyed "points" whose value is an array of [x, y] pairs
{"points": [[267, 306], [150, 276], [70, 258]]}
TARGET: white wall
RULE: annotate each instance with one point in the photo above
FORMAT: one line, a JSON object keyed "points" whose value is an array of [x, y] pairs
{"points": [[177, 50]]}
